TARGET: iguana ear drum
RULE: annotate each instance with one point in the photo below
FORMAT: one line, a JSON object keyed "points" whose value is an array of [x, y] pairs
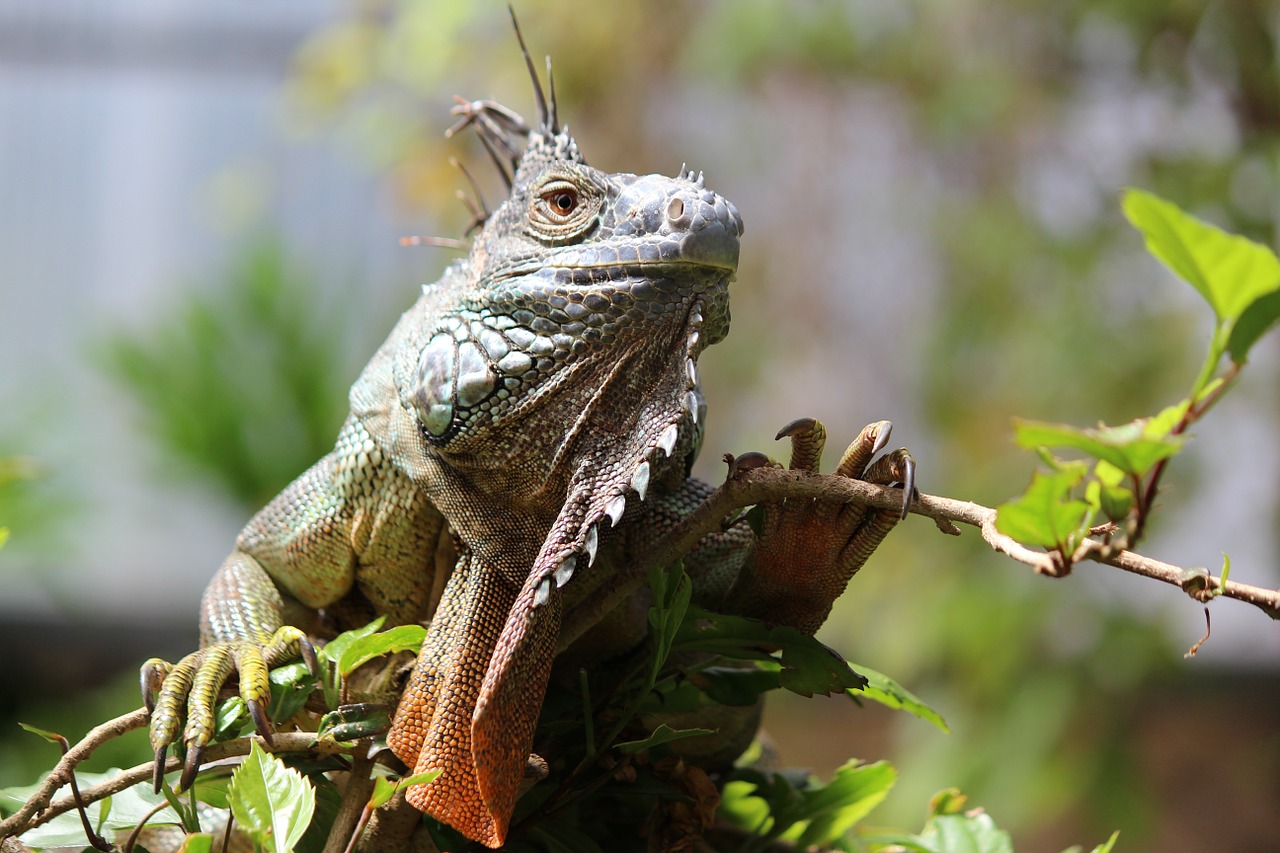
{"points": [[452, 375]]}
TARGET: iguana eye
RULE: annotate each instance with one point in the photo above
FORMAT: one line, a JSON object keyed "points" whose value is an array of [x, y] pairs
{"points": [[563, 209], [562, 202]]}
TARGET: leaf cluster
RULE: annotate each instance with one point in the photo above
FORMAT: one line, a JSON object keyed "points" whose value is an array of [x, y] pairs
{"points": [[1117, 481]]}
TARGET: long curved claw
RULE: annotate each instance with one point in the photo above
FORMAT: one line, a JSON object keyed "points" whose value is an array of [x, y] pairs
{"points": [[908, 483], [897, 467], [261, 724], [157, 773], [808, 438], [190, 767]]}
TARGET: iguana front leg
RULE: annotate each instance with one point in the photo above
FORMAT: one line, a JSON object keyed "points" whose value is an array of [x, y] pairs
{"points": [[807, 549], [352, 532]]}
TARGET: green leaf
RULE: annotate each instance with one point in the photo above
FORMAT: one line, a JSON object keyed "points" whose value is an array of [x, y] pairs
{"points": [[4, 536], [808, 666], [337, 647], [364, 649], [883, 689], [291, 686], [354, 721], [230, 718], [52, 737], [384, 789], [212, 790], [197, 842], [1108, 844], [1045, 515], [737, 686], [833, 809], [968, 833], [1256, 320], [1129, 447], [123, 812], [271, 802], [1108, 474], [802, 810], [662, 734], [671, 594], [1229, 271], [1114, 501]]}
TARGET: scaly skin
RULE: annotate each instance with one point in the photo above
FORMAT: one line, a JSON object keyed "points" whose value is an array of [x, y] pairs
{"points": [[527, 425]]}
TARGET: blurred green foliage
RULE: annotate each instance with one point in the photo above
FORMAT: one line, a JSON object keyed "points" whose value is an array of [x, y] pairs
{"points": [[34, 508], [246, 385]]}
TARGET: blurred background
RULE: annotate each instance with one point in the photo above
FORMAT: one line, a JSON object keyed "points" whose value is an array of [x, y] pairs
{"points": [[200, 207]]}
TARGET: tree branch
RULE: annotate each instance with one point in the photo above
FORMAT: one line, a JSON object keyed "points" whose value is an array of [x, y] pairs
{"points": [[61, 773], [38, 810], [753, 486]]}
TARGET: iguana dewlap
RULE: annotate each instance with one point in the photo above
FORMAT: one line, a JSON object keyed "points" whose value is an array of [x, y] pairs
{"points": [[528, 423]]}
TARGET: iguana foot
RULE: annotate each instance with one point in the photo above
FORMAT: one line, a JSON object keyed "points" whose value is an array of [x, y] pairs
{"points": [[193, 684], [807, 549]]}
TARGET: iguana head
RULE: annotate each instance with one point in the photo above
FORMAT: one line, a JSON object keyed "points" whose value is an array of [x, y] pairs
{"points": [[578, 270]]}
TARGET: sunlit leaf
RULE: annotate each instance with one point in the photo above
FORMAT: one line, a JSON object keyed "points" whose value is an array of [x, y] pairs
{"points": [[230, 717], [884, 690], [291, 685], [1129, 447], [364, 649], [1229, 271], [1256, 321], [1045, 514], [271, 802], [1107, 846], [968, 833], [338, 646], [800, 809], [1108, 474], [1161, 425], [384, 789], [1113, 501], [125, 810], [833, 809], [52, 737], [197, 842]]}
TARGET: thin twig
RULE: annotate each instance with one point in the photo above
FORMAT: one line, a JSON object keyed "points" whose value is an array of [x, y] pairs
{"points": [[61, 773], [355, 797], [26, 817], [753, 486]]}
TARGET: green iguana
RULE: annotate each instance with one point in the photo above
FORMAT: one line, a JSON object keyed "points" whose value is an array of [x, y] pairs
{"points": [[528, 425]]}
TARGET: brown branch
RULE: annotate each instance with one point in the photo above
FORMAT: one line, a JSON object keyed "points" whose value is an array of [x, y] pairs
{"points": [[34, 812], [61, 773], [765, 484]]}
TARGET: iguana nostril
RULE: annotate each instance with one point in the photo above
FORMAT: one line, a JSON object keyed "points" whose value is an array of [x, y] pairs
{"points": [[675, 209]]}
